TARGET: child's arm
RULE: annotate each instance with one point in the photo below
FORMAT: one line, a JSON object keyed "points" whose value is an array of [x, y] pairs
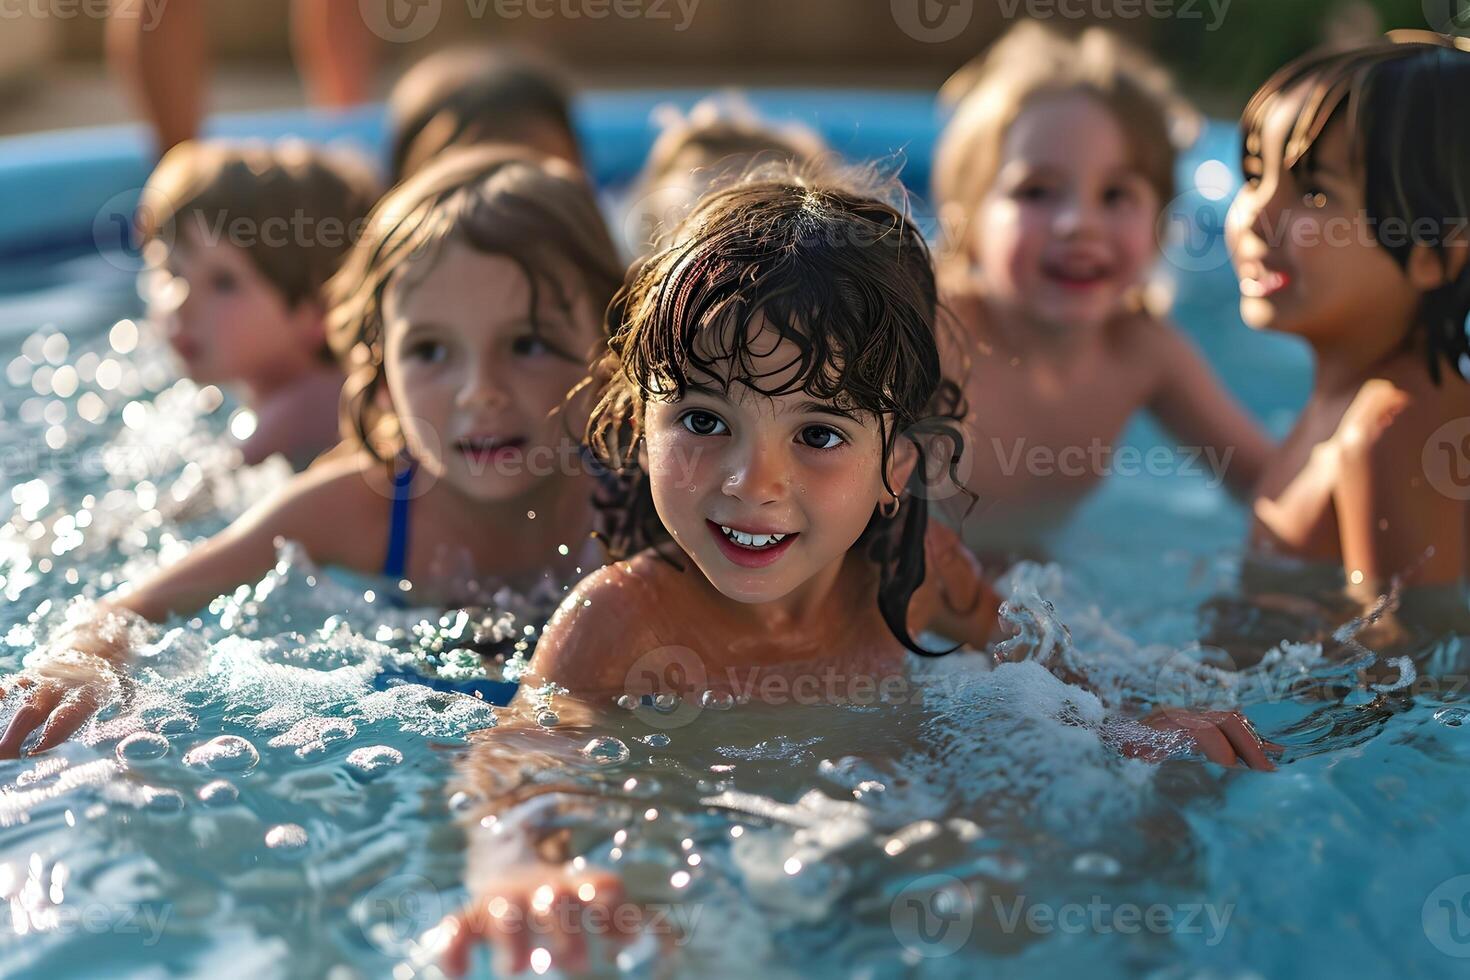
{"points": [[1392, 520], [517, 867], [967, 608], [1194, 406], [80, 670]]}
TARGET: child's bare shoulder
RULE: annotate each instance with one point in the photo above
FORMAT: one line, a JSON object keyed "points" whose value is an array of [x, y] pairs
{"points": [[338, 509], [1392, 416], [608, 620]]}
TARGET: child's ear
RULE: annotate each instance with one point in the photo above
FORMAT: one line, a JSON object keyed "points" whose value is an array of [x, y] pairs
{"points": [[1431, 268], [901, 463]]}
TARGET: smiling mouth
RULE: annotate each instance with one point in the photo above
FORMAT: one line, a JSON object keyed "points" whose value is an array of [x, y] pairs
{"points": [[1079, 274], [748, 549], [1266, 282]]}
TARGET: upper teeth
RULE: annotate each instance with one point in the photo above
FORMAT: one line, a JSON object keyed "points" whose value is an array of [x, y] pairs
{"points": [[751, 540]]}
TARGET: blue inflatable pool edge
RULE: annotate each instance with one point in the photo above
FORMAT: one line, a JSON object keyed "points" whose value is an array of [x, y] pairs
{"points": [[62, 191]]}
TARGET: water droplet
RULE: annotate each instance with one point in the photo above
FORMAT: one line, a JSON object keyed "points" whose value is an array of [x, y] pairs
{"points": [[1097, 865], [605, 751], [286, 837], [373, 760], [717, 700], [141, 746], [221, 792], [1453, 717], [163, 800], [227, 753], [547, 719], [658, 740], [666, 702], [628, 702]]}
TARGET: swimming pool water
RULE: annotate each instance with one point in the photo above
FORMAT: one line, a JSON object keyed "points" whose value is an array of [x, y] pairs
{"points": [[267, 806]]}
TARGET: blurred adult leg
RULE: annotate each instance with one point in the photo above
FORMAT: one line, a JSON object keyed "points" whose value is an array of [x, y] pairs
{"points": [[159, 49], [336, 51]]}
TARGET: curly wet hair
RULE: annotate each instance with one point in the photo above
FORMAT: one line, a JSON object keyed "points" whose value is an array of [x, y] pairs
{"points": [[822, 258]]}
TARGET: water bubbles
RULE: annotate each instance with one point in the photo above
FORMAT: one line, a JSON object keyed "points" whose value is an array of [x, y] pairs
{"points": [[142, 746], [657, 740], [1096, 865], [123, 337], [221, 792], [162, 800], [717, 700], [628, 702], [286, 837], [226, 753], [177, 724], [605, 751], [547, 719], [1453, 717], [371, 761]]}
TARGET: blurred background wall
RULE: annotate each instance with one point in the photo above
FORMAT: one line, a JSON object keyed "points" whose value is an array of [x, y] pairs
{"points": [[1219, 49]]}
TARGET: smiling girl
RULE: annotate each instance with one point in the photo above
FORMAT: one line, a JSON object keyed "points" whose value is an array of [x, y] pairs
{"points": [[1351, 233], [1049, 180], [467, 312], [770, 393]]}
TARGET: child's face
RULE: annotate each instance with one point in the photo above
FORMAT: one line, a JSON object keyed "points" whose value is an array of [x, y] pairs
{"points": [[473, 383], [760, 465], [226, 321], [1307, 262], [1067, 227]]}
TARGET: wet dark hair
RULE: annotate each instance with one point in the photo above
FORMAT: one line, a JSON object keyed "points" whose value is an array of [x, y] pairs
{"points": [[1403, 101], [841, 274], [536, 211], [462, 96]]}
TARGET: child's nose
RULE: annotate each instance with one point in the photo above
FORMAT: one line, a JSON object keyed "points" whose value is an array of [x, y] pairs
{"points": [[758, 475], [483, 386], [1075, 216]]}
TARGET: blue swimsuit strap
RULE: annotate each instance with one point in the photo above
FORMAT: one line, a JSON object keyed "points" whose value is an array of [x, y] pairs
{"points": [[396, 564]]}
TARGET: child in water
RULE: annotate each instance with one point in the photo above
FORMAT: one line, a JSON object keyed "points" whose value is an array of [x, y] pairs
{"points": [[720, 138], [1351, 233], [467, 312], [1049, 180], [771, 388], [241, 240], [466, 96]]}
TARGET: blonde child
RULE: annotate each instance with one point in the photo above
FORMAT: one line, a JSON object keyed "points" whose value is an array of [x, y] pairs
{"points": [[718, 139], [771, 387], [241, 240], [467, 312], [1049, 180], [1351, 233]]}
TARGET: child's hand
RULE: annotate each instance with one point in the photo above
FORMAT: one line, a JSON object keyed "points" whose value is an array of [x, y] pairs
{"points": [[1225, 737], [554, 908], [60, 692]]}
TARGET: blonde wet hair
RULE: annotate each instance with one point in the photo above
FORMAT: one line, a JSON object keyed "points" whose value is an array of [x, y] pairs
{"points": [[1029, 64]]}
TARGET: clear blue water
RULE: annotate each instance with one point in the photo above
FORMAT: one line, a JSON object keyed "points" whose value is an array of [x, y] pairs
{"points": [[986, 828]]}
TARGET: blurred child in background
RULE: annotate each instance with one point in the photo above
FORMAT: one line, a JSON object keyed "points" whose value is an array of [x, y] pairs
{"points": [[241, 240], [718, 139], [467, 95], [466, 313], [1351, 233], [1049, 181]]}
